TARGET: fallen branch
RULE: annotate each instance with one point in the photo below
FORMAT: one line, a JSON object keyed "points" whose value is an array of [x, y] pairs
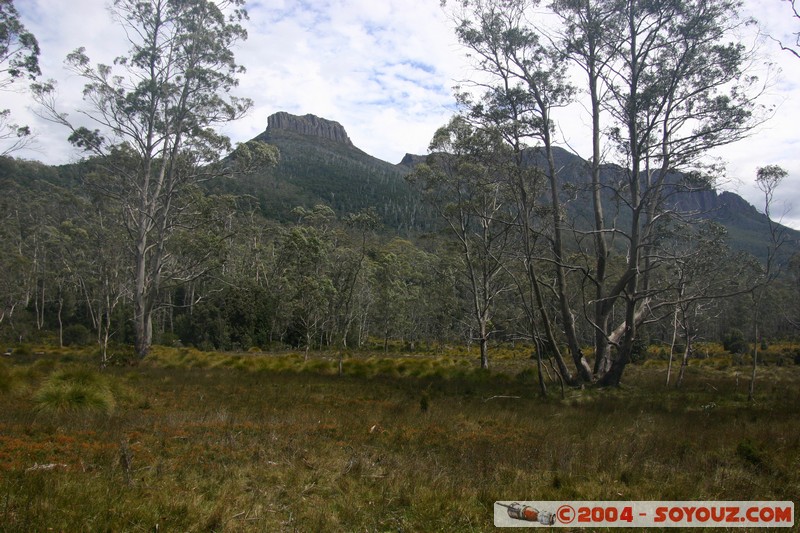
{"points": [[51, 466], [507, 397]]}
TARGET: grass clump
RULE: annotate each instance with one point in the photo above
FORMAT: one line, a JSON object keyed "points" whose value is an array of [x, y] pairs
{"points": [[77, 390]]}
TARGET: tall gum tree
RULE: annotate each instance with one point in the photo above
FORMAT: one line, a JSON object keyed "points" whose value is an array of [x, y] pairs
{"points": [[668, 83], [679, 87], [527, 83], [460, 179], [588, 39], [155, 110]]}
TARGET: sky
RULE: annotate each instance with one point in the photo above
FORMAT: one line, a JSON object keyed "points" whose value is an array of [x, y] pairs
{"points": [[385, 70]]}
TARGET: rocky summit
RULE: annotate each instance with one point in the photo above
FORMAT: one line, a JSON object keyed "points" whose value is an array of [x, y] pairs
{"points": [[308, 125]]}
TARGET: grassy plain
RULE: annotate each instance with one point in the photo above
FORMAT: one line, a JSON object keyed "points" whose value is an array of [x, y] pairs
{"points": [[192, 441]]}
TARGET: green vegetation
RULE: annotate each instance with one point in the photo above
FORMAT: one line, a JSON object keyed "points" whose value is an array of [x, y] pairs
{"points": [[268, 442], [297, 239], [326, 358]]}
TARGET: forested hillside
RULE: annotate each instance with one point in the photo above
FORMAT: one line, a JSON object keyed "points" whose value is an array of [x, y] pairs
{"points": [[287, 333]]}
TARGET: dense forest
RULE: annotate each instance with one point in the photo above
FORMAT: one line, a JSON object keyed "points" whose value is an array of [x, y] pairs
{"points": [[166, 234]]}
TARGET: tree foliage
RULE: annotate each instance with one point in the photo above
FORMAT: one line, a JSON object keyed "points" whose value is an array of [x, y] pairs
{"points": [[19, 60], [469, 195], [533, 244]]}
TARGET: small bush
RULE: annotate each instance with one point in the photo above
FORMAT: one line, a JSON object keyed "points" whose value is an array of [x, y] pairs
{"points": [[424, 402], [8, 380], [169, 339], [23, 349], [734, 342], [750, 453], [77, 335]]}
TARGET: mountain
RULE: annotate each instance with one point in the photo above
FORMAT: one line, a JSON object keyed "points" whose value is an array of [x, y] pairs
{"points": [[320, 165]]}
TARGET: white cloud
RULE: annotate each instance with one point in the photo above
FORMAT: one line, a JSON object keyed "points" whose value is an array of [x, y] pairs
{"points": [[778, 140], [365, 64]]}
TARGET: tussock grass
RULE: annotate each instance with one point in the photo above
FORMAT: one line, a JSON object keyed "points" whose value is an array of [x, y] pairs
{"points": [[78, 389]]}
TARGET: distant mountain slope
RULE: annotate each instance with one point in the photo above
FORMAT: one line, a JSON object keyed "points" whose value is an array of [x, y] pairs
{"points": [[747, 228]]}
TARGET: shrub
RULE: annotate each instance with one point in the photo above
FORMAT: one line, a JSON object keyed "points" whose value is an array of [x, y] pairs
{"points": [[8, 380], [750, 453], [23, 349], [734, 342], [77, 335], [169, 339]]}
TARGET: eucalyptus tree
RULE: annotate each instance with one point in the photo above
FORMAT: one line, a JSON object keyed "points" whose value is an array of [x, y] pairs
{"points": [[352, 275], [304, 267], [678, 88], [407, 297], [768, 179], [15, 261], [91, 250], [589, 37], [155, 110], [461, 180], [702, 272], [667, 84], [527, 84]]}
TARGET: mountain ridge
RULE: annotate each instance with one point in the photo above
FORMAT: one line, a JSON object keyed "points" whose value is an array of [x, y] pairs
{"points": [[746, 226], [320, 164]]}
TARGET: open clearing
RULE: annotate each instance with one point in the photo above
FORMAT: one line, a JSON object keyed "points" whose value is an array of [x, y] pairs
{"points": [[189, 441]]}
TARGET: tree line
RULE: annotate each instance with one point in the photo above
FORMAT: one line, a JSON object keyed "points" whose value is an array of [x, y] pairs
{"points": [[241, 281]]}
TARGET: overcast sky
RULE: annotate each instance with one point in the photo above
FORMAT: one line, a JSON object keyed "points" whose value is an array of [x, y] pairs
{"points": [[384, 69]]}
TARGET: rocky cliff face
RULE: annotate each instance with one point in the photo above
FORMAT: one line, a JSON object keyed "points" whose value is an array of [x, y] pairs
{"points": [[308, 125], [412, 160]]}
